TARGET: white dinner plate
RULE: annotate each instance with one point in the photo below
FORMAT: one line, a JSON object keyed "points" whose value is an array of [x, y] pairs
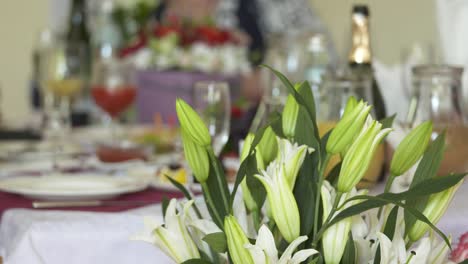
{"points": [[72, 187]]}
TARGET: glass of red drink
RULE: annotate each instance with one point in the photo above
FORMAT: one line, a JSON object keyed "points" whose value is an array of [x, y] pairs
{"points": [[113, 89]]}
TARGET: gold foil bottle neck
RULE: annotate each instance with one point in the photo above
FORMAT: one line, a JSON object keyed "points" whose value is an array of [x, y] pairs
{"points": [[360, 51]]}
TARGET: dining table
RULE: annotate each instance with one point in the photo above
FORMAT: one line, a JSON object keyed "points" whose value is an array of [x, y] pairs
{"points": [[102, 233]]}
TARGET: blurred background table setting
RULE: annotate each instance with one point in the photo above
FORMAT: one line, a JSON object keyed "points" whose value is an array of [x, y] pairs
{"points": [[88, 124]]}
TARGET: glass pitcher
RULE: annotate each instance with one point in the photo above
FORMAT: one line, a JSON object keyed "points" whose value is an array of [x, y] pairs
{"points": [[438, 97], [335, 91]]}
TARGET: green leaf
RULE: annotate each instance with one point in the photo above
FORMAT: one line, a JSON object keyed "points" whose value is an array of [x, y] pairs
{"points": [[391, 223], [196, 261], [164, 205], [305, 191], [246, 165], [276, 124], [217, 187], [425, 188], [186, 193], [256, 188], [306, 92], [180, 187], [430, 162], [433, 185], [427, 169], [334, 173], [304, 131], [377, 255], [293, 92], [349, 254], [389, 230], [387, 122], [217, 241], [381, 200], [464, 262]]}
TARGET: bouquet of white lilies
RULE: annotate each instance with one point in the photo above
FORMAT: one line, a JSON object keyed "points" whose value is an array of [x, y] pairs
{"points": [[288, 211]]}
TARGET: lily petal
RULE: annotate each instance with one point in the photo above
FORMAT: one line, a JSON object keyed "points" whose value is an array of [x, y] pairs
{"points": [[266, 241], [302, 255], [290, 249]]}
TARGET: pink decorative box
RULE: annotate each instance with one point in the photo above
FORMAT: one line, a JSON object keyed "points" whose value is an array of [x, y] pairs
{"points": [[158, 90]]}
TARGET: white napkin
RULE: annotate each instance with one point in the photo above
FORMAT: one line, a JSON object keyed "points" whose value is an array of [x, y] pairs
{"points": [[57, 237]]}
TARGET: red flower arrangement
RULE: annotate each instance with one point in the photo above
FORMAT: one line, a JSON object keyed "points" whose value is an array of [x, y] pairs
{"points": [[187, 34], [460, 253]]}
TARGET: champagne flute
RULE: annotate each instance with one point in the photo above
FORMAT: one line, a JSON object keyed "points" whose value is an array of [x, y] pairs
{"points": [[213, 103], [62, 76]]}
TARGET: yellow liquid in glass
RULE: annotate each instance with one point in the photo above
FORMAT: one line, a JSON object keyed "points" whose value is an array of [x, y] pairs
{"points": [[375, 168], [66, 87], [455, 158]]}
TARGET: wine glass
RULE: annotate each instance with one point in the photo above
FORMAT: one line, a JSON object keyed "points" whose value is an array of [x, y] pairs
{"points": [[62, 77], [113, 89], [213, 103]]}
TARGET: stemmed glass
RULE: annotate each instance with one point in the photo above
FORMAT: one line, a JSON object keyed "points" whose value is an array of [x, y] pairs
{"points": [[113, 89], [212, 101], [62, 76]]}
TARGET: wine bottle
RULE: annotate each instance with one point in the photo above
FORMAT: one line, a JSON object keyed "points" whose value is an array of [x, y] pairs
{"points": [[360, 62], [360, 55], [78, 36]]}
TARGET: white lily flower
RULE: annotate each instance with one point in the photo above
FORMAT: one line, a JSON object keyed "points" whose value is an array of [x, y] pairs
{"points": [[199, 228], [292, 156], [174, 238], [394, 252], [428, 250], [281, 199], [264, 251], [243, 217], [333, 248]]}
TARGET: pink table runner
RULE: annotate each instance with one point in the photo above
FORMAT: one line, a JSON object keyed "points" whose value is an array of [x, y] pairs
{"points": [[9, 201]]}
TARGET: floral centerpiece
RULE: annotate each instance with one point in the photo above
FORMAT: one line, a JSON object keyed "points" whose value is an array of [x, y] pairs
{"points": [[187, 46], [284, 209]]}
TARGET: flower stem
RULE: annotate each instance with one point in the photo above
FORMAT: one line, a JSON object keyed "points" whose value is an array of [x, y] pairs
{"points": [[319, 188], [210, 203], [327, 221], [389, 183]]}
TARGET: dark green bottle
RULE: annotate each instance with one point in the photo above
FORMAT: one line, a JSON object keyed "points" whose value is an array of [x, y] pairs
{"points": [[76, 37], [360, 56]]}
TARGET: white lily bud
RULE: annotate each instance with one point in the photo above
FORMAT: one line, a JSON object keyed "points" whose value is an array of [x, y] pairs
{"points": [[281, 200], [359, 156]]}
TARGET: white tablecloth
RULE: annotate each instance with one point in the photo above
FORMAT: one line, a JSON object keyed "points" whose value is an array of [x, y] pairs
{"points": [[30, 237], [57, 237]]}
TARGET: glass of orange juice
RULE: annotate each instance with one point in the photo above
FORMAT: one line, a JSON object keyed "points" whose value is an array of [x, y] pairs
{"points": [[335, 91]]}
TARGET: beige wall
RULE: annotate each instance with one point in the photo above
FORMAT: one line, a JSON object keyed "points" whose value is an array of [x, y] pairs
{"points": [[395, 25], [20, 20]]}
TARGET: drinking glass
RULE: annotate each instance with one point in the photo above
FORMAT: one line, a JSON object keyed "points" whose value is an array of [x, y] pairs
{"points": [[438, 97], [113, 89], [335, 91], [62, 77], [213, 103]]}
